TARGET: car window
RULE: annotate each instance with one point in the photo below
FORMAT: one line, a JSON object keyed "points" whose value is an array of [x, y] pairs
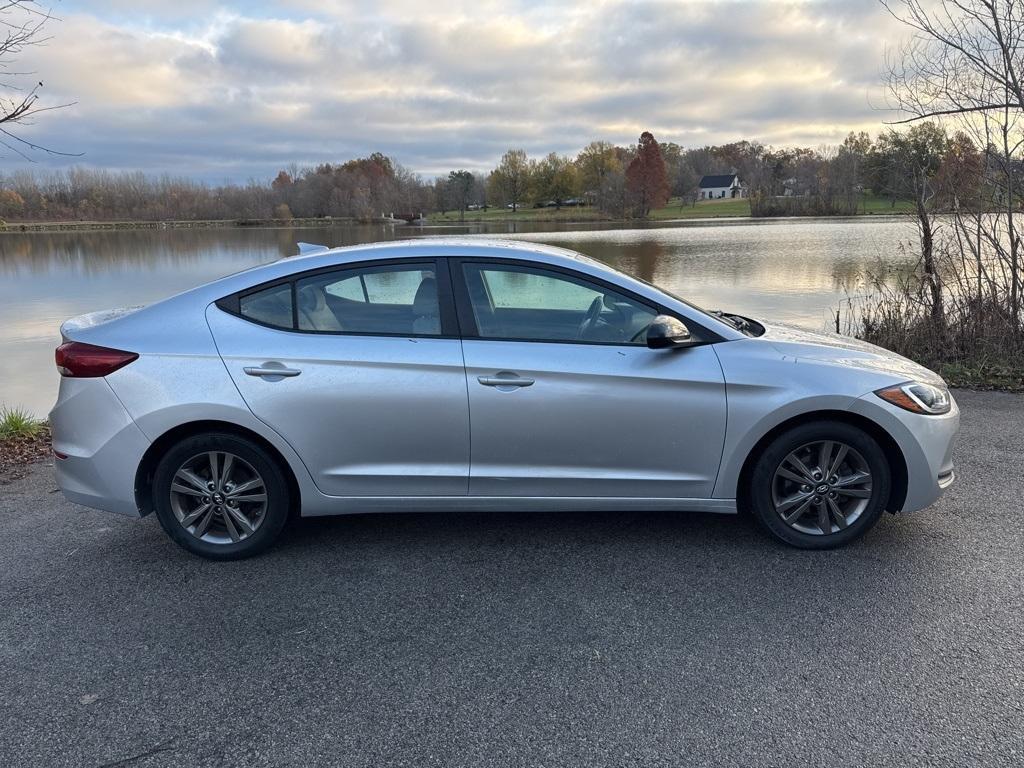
{"points": [[393, 299], [272, 306], [534, 304]]}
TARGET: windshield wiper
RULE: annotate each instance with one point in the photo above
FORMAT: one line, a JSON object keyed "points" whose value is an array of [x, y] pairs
{"points": [[739, 323], [728, 319]]}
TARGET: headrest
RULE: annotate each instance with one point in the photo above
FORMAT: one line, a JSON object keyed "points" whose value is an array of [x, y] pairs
{"points": [[425, 302], [311, 298]]}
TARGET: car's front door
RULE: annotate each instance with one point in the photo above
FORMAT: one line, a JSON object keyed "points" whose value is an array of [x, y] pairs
{"points": [[360, 370], [567, 400]]}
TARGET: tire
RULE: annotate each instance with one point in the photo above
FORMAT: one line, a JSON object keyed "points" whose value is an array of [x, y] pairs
{"points": [[845, 502], [241, 516]]}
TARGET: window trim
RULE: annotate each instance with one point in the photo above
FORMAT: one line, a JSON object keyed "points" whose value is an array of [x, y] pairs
{"points": [[467, 319], [446, 303]]}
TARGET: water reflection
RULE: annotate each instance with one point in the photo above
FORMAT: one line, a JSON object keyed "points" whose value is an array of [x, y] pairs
{"points": [[791, 270]]}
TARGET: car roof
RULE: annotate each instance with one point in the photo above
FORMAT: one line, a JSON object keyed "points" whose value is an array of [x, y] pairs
{"points": [[423, 247], [482, 246]]}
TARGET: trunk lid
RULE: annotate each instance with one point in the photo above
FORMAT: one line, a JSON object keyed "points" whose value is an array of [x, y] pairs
{"points": [[75, 328]]}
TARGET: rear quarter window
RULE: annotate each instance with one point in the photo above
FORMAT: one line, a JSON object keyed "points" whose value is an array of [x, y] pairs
{"points": [[272, 306]]}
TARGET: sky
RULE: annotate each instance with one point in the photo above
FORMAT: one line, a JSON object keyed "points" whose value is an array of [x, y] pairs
{"points": [[236, 91]]}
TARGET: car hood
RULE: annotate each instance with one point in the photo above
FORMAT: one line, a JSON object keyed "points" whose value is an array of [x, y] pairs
{"points": [[845, 351]]}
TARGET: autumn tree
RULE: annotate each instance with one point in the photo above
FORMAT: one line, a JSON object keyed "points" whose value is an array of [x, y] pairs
{"points": [[599, 165], [11, 203], [510, 181], [281, 182], [645, 176], [554, 178]]}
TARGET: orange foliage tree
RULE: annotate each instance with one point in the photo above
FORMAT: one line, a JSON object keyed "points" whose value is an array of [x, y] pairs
{"points": [[646, 179]]}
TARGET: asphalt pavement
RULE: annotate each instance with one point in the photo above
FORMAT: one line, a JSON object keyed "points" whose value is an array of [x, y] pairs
{"points": [[524, 640]]}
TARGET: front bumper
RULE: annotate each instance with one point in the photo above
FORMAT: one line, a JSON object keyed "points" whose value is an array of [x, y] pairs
{"points": [[98, 447], [926, 443]]}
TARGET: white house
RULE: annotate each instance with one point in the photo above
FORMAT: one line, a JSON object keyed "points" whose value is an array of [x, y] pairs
{"points": [[720, 187]]}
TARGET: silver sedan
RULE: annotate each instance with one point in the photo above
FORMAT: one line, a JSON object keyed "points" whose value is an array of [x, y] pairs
{"points": [[481, 375]]}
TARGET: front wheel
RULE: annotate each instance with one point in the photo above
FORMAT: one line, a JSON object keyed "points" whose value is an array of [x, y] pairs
{"points": [[820, 485], [220, 496]]}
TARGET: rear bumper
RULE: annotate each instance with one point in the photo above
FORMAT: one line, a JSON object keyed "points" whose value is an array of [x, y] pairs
{"points": [[100, 444], [927, 445]]}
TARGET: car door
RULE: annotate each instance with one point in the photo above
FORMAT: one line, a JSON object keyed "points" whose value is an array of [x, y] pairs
{"points": [[360, 369], [566, 399]]}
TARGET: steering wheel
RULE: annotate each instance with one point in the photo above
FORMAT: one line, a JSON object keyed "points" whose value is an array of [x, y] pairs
{"points": [[590, 319], [593, 320]]}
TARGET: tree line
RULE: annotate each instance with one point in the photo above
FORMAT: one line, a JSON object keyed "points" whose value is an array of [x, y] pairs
{"points": [[618, 181]]}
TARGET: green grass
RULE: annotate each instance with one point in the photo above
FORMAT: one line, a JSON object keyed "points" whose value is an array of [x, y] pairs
{"points": [[676, 209], [704, 209], [16, 422], [524, 213], [882, 205]]}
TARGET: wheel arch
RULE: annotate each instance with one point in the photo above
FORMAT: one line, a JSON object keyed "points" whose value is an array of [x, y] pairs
{"points": [[893, 452], [150, 459]]}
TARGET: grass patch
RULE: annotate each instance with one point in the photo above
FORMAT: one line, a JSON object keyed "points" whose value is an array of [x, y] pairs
{"points": [[526, 213], [675, 209], [1005, 378], [24, 439], [882, 205], [17, 422], [704, 209]]}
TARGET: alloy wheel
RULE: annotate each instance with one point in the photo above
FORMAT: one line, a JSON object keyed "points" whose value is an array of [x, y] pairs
{"points": [[822, 487], [218, 497]]}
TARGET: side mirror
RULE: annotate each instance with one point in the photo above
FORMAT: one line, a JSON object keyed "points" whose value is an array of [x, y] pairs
{"points": [[666, 332]]}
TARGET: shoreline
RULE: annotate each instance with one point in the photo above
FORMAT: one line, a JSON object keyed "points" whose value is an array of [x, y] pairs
{"points": [[42, 227], [20, 227]]}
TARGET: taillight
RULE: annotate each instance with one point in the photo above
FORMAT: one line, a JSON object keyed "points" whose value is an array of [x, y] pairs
{"points": [[85, 361]]}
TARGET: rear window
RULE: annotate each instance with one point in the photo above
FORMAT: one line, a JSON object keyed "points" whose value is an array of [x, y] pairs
{"points": [[395, 299], [272, 306], [399, 299]]}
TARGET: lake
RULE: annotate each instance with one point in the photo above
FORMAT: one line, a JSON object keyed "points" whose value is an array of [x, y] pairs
{"points": [[792, 270]]}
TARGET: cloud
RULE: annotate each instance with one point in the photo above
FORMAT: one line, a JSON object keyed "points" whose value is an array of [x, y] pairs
{"points": [[238, 91]]}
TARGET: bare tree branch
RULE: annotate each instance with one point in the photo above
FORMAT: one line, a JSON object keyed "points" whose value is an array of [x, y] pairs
{"points": [[962, 64], [22, 24]]}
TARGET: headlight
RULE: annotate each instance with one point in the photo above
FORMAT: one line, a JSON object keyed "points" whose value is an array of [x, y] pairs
{"points": [[917, 397]]}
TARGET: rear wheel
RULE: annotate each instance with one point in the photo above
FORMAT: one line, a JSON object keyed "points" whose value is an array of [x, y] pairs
{"points": [[220, 496], [820, 485]]}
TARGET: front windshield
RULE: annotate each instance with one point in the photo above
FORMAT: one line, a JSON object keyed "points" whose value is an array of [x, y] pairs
{"points": [[710, 313], [744, 325]]}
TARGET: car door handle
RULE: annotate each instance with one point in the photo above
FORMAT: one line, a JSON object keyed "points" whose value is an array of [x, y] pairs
{"points": [[507, 380], [268, 372]]}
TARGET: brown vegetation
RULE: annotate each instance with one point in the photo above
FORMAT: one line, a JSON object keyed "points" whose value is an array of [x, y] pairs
{"points": [[20, 448], [960, 309]]}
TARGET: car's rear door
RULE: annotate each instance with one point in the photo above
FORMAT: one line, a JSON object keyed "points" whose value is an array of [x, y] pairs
{"points": [[560, 406], [360, 369]]}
